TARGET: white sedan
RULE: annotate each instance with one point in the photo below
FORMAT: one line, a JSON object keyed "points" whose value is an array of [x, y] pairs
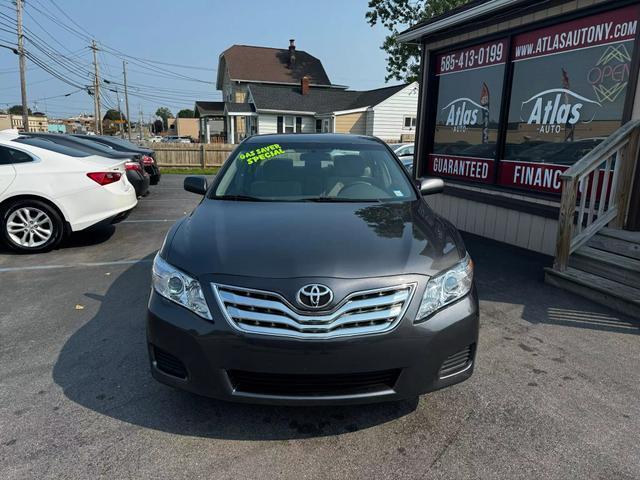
{"points": [[46, 194]]}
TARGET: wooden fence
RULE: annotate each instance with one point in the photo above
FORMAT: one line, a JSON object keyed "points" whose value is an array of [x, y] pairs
{"points": [[186, 155]]}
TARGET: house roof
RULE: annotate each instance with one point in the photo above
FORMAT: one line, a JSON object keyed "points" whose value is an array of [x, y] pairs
{"points": [[317, 100], [209, 109], [271, 65], [474, 10], [239, 107]]}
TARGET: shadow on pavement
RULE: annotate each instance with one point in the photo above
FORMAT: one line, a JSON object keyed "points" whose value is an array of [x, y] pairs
{"points": [[104, 367], [515, 276]]}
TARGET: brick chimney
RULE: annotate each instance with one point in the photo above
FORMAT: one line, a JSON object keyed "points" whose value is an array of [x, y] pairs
{"points": [[304, 85], [292, 52]]}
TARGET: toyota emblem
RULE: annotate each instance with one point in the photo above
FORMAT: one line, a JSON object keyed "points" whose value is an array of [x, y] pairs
{"points": [[314, 295]]}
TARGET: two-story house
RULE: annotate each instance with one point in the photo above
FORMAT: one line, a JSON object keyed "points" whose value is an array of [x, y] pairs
{"points": [[269, 90]]}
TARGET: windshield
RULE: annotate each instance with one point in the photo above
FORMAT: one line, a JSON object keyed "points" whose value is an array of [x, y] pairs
{"points": [[305, 171]]}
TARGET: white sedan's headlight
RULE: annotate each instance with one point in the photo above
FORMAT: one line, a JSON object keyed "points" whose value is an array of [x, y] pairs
{"points": [[447, 287], [179, 287]]}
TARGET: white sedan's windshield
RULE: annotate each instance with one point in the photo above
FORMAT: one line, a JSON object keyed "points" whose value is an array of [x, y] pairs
{"points": [[303, 171]]}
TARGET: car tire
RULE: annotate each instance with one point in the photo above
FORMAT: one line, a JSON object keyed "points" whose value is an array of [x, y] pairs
{"points": [[31, 226]]}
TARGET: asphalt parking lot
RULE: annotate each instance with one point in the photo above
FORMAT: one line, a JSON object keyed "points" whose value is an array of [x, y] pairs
{"points": [[555, 393]]}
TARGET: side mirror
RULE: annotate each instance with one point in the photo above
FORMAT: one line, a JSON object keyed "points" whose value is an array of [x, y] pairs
{"points": [[196, 185], [429, 186]]}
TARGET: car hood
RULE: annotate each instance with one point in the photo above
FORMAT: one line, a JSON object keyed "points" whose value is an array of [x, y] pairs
{"points": [[304, 239]]}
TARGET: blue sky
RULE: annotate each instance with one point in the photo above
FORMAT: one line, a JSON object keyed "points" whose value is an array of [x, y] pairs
{"points": [[190, 32]]}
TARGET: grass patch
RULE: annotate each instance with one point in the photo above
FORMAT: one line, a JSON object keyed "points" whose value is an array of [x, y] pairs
{"points": [[190, 171]]}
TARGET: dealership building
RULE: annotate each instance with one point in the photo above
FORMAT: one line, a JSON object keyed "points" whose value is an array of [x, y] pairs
{"points": [[527, 110]]}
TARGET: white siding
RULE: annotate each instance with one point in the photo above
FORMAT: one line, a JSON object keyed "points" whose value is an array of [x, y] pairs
{"points": [[308, 124], [268, 123], [504, 225], [370, 117], [388, 116]]}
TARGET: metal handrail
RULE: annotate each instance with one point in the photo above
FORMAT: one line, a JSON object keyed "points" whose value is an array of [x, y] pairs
{"points": [[603, 194]]}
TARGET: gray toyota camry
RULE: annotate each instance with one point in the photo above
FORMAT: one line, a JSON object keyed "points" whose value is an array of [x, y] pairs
{"points": [[312, 272]]}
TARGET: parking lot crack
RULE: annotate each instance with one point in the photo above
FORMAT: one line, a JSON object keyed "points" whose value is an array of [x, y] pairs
{"points": [[450, 441]]}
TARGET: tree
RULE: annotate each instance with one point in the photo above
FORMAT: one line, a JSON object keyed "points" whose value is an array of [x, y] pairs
{"points": [[403, 60], [186, 113], [17, 110], [113, 115], [164, 113]]}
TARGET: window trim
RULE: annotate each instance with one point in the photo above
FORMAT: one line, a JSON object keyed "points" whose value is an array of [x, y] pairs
{"points": [[281, 123], [431, 89], [412, 124]]}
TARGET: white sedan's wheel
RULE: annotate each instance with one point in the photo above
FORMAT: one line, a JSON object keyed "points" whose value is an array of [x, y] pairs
{"points": [[29, 227]]}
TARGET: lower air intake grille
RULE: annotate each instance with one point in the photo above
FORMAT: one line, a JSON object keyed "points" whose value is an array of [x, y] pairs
{"points": [[457, 362], [312, 385], [167, 363]]}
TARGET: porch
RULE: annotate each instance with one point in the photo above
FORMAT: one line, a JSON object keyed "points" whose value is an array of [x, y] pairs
{"points": [[225, 122]]}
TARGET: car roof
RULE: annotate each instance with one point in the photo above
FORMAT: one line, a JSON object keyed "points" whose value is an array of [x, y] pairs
{"points": [[81, 144], [328, 138]]}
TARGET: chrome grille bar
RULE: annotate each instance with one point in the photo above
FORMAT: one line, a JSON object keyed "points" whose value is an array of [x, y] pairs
{"points": [[268, 313]]}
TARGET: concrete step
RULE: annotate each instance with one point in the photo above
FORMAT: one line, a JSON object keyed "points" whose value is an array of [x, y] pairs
{"points": [[624, 270], [617, 296], [619, 242]]}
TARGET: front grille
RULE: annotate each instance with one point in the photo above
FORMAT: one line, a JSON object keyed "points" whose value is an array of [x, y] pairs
{"points": [[312, 385], [167, 363], [457, 363], [267, 313]]}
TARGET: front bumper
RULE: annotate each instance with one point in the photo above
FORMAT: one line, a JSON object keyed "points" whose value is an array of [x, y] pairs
{"points": [[210, 354]]}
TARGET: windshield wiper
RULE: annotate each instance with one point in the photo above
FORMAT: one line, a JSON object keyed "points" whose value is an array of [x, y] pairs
{"points": [[341, 200], [239, 198]]}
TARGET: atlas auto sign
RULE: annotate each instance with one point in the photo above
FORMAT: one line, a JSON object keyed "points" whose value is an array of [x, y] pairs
{"points": [[556, 108], [462, 113], [471, 168]]}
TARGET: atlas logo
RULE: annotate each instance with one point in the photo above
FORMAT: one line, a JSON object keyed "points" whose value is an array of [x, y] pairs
{"points": [[462, 112], [555, 109]]}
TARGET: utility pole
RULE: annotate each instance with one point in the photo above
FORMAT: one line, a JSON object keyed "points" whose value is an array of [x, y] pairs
{"points": [[96, 90], [126, 99], [23, 73], [119, 113], [140, 122]]}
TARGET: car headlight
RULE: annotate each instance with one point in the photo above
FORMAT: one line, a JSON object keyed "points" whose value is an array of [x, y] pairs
{"points": [[179, 287], [446, 287]]}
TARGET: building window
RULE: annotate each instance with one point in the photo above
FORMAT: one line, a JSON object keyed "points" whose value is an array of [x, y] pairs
{"points": [[468, 111], [569, 87], [565, 99], [289, 124], [409, 123], [326, 125], [318, 125]]}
